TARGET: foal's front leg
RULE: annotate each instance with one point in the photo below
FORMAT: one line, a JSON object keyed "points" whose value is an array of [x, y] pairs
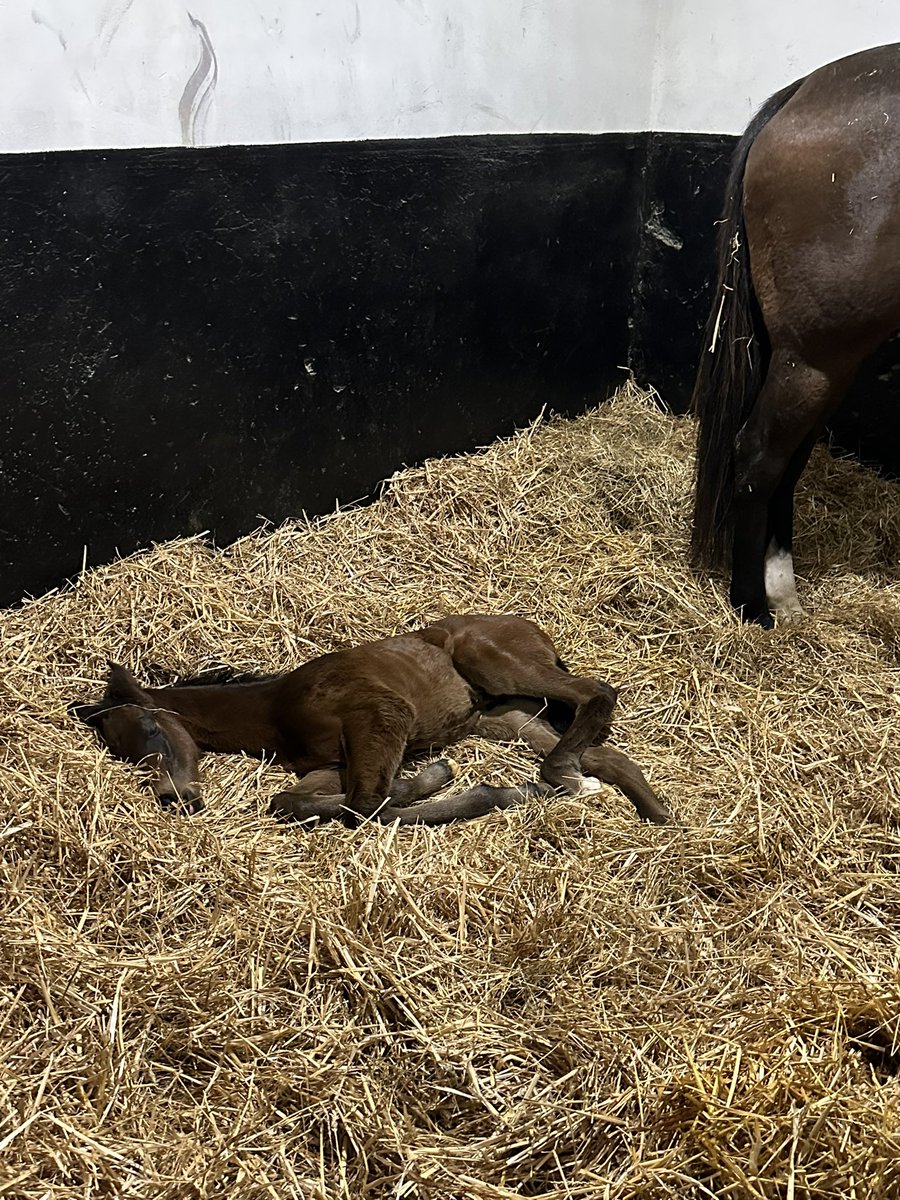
{"points": [[375, 740], [321, 795], [316, 797]]}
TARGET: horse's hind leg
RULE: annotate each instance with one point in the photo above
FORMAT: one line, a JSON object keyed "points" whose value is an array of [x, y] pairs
{"points": [[794, 402], [781, 587]]}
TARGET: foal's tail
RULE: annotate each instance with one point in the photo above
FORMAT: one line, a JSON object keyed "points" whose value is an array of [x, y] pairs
{"points": [[733, 361]]}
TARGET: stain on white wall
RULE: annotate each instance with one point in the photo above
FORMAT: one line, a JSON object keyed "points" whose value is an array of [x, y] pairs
{"points": [[106, 73], [111, 73]]}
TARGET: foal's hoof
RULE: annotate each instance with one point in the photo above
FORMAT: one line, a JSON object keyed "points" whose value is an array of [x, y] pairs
{"points": [[280, 806], [566, 778], [438, 774], [510, 797], [577, 785], [289, 808], [535, 790], [660, 816]]}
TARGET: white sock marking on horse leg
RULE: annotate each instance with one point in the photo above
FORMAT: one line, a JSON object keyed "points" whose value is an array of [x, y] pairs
{"points": [[781, 588]]}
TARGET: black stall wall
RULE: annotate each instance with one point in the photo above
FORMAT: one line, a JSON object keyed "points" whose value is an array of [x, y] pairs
{"points": [[683, 187], [196, 339], [200, 339]]}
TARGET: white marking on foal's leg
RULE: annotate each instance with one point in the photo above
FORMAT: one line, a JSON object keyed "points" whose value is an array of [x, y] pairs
{"points": [[781, 588], [589, 784]]}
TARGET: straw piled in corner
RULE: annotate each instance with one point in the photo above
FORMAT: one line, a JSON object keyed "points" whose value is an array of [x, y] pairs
{"points": [[554, 1001]]}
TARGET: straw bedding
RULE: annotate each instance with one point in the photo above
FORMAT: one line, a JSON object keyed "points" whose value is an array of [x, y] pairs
{"points": [[551, 1002]]}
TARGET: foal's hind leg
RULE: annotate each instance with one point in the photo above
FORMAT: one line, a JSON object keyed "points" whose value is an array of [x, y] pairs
{"points": [[512, 657], [601, 761]]}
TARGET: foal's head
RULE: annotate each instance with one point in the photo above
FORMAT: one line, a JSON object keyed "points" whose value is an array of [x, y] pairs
{"points": [[136, 730]]}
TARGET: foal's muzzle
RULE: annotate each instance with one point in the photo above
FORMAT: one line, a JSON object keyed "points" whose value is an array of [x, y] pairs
{"points": [[189, 803]]}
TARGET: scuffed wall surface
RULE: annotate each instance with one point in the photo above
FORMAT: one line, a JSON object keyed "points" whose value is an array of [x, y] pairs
{"points": [[199, 340], [128, 73]]}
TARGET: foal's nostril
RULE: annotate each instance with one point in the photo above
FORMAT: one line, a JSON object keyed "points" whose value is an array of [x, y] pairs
{"points": [[188, 802], [192, 803]]}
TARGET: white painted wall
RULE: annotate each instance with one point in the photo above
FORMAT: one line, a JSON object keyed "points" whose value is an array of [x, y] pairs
{"points": [[717, 60], [108, 73]]}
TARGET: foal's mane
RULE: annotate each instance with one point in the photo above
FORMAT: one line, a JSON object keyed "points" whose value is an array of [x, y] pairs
{"points": [[220, 676]]}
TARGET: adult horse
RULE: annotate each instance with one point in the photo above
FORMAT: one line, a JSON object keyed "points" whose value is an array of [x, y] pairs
{"points": [[808, 286]]}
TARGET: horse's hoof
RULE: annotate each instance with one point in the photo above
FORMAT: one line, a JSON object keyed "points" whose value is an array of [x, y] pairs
{"points": [[752, 612], [789, 616], [753, 616]]}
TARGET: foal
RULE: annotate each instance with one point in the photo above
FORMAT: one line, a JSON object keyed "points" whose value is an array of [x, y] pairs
{"points": [[346, 721]]}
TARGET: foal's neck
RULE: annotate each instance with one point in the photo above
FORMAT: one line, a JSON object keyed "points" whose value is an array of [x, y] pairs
{"points": [[230, 718]]}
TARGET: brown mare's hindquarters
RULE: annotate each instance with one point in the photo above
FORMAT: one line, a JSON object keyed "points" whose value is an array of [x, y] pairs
{"points": [[808, 286], [345, 722]]}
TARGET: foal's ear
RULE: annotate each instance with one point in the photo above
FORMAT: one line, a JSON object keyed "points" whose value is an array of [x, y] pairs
{"points": [[122, 686], [91, 714]]}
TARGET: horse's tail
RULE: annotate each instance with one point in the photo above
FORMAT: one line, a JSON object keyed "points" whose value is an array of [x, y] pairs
{"points": [[733, 361]]}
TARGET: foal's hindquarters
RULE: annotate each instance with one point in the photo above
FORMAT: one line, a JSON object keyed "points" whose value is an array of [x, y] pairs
{"points": [[516, 664]]}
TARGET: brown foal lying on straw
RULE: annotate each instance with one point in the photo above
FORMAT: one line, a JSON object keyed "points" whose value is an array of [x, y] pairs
{"points": [[346, 721]]}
